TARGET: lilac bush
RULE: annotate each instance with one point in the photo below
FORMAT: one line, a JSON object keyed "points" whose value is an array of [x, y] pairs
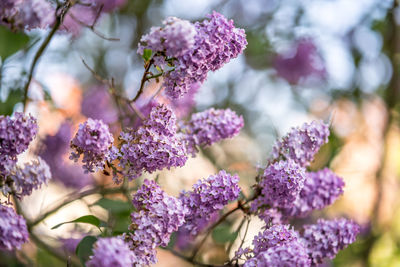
{"points": [[150, 135]]}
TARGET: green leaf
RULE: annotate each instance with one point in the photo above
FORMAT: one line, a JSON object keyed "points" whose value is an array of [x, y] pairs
{"points": [[222, 234], [11, 42], [114, 206], [147, 54], [84, 248], [90, 219], [7, 107]]}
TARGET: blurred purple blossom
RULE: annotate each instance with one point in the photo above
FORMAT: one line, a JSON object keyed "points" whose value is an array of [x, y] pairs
{"points": [[54, 150], [301, 62]]}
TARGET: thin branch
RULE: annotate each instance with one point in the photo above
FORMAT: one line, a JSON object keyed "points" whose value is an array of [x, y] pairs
{"points": [[144, 79], [223, 218], [71, 198], [59, 18]]}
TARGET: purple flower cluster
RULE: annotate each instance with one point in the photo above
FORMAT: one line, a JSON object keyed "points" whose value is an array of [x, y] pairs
{"points": [[208, 197], [276, 246], [211, 126], [112, 251], [15, 135], [13, 230], [53, 151], [156, 217], [320, 189], [300, 64], [154, 146], [289, 254], [94, 141], [26, 14], [30, 177], [174, 39], [197, 49], [327, 237], [302, 143], [280, 185]]}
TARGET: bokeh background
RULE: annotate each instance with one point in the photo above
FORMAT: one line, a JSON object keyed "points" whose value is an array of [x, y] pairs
{"points": [[336, 60]]}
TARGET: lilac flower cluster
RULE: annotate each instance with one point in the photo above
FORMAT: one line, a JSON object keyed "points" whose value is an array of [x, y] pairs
{"points": [[154, 146], [280, 185], [15, 135], [174, 39], [112, 251], [326, 238], [306, 62], [156, 217], [208, 197], [94, 141], [197, 49], [13, 230], [276, 246], [26, 14], [320, 189], [53, 151], [211, 126], [302, 143], [30, 177]]}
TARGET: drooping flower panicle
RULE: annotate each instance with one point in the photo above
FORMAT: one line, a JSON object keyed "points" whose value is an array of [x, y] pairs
{"points": [[94, 141], [156, 217], [196, 49], [325, 238], [302, 143], [111, 251], [16, 133], [154, 146], [13, 230], [208, 197], [280, 185], [320, 189]]}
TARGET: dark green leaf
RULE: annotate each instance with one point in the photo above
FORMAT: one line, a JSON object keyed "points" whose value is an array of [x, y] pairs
{"points": [[222, 234], [147, 54], [90, 219], [7, 107], [11, 42], [114, 206], [84, 248]]}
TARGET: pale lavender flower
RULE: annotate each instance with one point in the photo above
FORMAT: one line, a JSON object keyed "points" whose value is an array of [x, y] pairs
{"points": [[280, 185], [175, 38], [26, 14], [275, 246], [208, 197], [290, 254], [111, 251], [94, 141], [16, 133], [302, 62], [211, 126], [154, 146], [13, 230], [156, 217], [302, 143], [30, 177], [325, 238], [320, 189], [216, 42]]}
